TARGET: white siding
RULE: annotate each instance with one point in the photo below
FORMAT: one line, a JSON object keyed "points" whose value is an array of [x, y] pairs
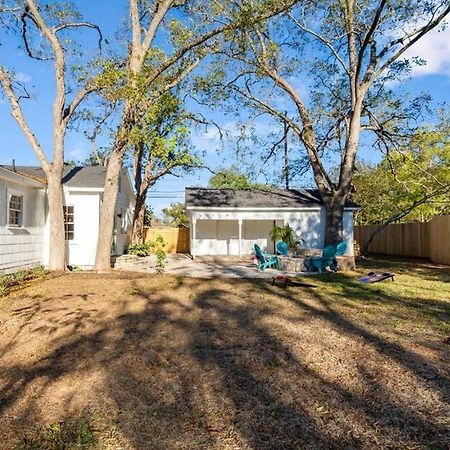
{"points": [[82, 249], [348, 232], [24, 246]]}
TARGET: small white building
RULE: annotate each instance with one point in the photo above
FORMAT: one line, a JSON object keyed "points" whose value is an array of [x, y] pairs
{"points": [[231, 221], [24, 220]]}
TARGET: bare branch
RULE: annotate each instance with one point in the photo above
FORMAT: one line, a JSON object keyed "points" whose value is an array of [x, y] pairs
{"points": [[369, 34], [81, 25], [413, 37], [18, 115], [322, 39]]}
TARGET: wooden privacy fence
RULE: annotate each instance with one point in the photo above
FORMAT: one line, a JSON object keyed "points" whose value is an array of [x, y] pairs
{"points": [[177, 238], [421, 239]]}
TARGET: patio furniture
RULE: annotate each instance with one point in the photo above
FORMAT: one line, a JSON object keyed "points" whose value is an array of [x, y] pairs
{"points": [[341, 248], [326, 260], [282, 248], [265, 260]]}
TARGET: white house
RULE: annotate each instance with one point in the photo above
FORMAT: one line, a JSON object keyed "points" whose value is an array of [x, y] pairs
{"points": [[24, 222], [231, 221]]}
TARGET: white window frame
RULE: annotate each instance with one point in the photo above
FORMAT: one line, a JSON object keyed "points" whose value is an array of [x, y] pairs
{"points": [[10, 194], [66, 223]]}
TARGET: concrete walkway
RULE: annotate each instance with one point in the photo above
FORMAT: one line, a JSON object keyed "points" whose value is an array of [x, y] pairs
{"points": [[202, 267]]}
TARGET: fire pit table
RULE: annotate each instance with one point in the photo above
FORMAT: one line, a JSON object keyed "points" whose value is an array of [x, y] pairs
{"points": [[296, 263]]}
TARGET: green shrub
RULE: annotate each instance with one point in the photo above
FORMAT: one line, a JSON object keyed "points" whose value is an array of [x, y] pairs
{"points": [[38, 271], [158, 247], [139, 249], [286, 234], [21, 275], [2, 285]]}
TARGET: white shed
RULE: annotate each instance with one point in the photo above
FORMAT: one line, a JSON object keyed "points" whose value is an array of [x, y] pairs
{"points": [[231, 221], [24, 222]]}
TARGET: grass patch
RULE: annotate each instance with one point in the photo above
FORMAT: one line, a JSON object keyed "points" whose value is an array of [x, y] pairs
{"points": [[419, 295], [12, 281], [74, 435]]}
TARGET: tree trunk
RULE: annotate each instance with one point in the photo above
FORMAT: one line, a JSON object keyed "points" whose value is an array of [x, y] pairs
{"points": [[107, 213], [137, 236], [57, 242], [334, 213]]}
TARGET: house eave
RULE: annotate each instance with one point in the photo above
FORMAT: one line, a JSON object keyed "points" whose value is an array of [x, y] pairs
{"points": [[17, 177]]}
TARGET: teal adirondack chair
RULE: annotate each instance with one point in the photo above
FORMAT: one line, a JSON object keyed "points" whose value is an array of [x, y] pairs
{"points": [[264, 259], [341, 248], [326, 260], [282, 248]]}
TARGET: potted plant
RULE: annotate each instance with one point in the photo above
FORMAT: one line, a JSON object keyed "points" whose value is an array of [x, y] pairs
{"points": [[285, 234]]}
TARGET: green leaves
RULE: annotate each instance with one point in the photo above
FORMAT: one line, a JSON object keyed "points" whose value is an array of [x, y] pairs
{"points": [[175, 214], [419, 169], [232, 179]]}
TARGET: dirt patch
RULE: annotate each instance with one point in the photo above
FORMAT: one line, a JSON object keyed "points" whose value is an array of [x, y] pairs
{"points": [[171, 362]]}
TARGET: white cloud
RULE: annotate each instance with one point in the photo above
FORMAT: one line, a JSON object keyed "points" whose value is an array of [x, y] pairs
{"points": [[23, 77], [209, 139], [434, 48], [2, 101], [77, 153]]}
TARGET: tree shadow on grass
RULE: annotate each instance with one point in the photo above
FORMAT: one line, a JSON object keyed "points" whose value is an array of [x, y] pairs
{"points": [[295, 424], [348, 291], [211, 372], [424, 268]]}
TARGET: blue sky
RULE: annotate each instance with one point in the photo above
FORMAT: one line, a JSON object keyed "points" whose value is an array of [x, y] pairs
{"points": [[433, 78]]}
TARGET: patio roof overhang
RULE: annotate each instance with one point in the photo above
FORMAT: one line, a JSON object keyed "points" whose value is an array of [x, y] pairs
{"points": [[202, 213]]}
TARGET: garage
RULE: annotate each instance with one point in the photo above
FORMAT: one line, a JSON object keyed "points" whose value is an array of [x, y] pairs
{"points": [[230, 221]]}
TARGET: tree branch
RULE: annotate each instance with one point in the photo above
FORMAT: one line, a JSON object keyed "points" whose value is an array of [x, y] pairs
{"points": [[418, 33], [18, 115]]}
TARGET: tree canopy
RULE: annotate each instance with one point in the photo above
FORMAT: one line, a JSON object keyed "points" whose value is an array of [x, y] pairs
{"points": [[411, 183], [175, 214], [326, 69], [233, 179]]}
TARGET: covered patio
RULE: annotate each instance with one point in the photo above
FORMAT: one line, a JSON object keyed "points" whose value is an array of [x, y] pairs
{"points": [[230, 222]]}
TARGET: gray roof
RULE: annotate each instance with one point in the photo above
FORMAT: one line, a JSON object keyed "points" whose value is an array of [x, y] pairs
{"points": [[255, 198], [78, 176]]}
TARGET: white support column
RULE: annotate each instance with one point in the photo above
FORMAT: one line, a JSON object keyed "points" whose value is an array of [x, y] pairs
{"points": [[240, 238], [194, 237]]}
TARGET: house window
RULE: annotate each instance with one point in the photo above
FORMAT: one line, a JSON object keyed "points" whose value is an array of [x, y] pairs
{"points": [[15, 211], [69, 224]]}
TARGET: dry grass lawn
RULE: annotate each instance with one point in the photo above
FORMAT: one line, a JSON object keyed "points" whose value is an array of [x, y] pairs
{"points": [[164, 362]]}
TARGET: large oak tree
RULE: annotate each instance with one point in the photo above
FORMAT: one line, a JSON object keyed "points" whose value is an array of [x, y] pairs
{"points": [[167, 40], [325, 69]]}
